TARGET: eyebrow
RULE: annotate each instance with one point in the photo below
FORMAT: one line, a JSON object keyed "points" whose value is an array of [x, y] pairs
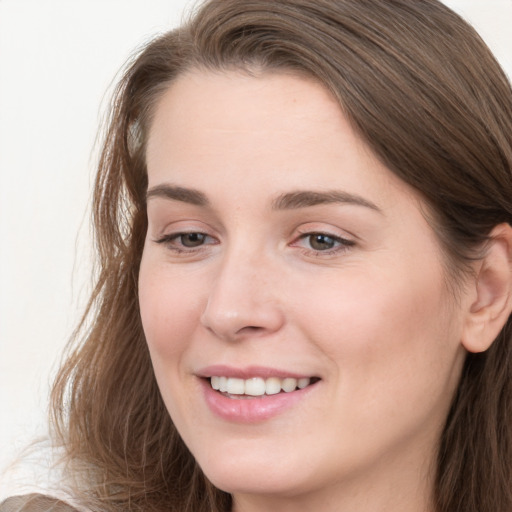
{"points": [[186, 195], [287, 201], [306, 198]]}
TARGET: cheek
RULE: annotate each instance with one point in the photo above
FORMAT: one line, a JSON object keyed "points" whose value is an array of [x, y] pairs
{"points": [[397, 331], [394, 352], [169, 307], [368, 305], [169, 313]]}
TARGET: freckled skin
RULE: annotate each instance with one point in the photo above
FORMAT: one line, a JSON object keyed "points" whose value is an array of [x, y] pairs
{"points": [[367, 311]]}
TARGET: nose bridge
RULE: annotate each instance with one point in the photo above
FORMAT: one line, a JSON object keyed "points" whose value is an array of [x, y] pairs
{"points": [[243, 296]]}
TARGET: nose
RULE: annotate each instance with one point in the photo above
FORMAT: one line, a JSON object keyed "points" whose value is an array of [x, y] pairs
{"points": [[243, 299]]}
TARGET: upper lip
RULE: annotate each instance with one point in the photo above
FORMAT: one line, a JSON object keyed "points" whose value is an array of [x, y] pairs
{"points": [[220, 370]]}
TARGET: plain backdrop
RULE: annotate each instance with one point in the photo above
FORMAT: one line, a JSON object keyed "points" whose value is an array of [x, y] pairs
{"points": [[58, 60]]}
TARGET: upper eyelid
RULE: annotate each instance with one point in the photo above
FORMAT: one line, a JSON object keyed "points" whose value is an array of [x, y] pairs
{"points": [[301, 233], [337, 238], [343, 240], [342, 243], [184, 226], [181, 226], [333, 232], [177, 234], [325, 233]]}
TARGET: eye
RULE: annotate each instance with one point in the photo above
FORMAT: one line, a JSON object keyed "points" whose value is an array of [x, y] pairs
{"points": [[191, 239], [321, 242], [181, 242], [315, 242]]}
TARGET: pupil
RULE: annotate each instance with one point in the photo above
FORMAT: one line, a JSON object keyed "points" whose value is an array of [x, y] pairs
{"points": [[192, 239], [321, 242]]}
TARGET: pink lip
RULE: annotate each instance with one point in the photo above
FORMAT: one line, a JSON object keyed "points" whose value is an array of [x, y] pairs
{"points": [[248, 372], [250, 410]]}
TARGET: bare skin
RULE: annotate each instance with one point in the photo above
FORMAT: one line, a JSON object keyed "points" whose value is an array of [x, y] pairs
{"points": [[342, 283]]}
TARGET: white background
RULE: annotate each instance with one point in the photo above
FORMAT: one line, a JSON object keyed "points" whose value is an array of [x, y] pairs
{"points": [[57, 61]]}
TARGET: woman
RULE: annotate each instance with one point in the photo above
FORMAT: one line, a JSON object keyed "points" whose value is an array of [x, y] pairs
{"points": [[302, 214]]}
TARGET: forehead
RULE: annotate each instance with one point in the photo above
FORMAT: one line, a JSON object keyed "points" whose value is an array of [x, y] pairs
{"points": [[230, 102], [232, 127], [206, 92]]}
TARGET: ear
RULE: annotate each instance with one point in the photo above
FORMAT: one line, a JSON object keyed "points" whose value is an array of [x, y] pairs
{"points": [[491, 301]]}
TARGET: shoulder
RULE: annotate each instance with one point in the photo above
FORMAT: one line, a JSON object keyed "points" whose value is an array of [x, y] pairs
{"points": [[35, 503]]}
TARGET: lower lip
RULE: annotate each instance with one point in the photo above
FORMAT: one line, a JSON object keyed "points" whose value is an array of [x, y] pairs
{"points": [[251, 410]]}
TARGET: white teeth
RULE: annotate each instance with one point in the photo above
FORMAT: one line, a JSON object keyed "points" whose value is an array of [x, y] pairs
{"points": [[257, 386], [215, 382], [272, 386], [303, 383], [289, 384], [235, 386]]}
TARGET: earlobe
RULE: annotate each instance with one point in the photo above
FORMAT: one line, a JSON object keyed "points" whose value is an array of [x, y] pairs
{"points": [[492, 301]]}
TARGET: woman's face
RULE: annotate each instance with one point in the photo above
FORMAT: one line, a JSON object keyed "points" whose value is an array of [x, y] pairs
{"points": [[281, 253]]}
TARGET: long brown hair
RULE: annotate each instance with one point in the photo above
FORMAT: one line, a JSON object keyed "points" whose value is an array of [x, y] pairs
{"points": [[428, 97]]}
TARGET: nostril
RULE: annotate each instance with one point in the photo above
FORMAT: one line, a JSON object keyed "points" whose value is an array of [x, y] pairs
{"points": [[250, 329]]}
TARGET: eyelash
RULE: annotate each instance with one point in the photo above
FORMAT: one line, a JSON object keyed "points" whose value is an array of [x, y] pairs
{"points": [[170, 239], [342, 244]]}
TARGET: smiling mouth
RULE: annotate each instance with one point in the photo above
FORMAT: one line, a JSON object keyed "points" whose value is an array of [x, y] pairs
{"points": [[254, 387]]}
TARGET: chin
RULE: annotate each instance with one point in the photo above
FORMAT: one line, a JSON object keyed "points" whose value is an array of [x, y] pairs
{"points": [[249, 481], [253, 475]]}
